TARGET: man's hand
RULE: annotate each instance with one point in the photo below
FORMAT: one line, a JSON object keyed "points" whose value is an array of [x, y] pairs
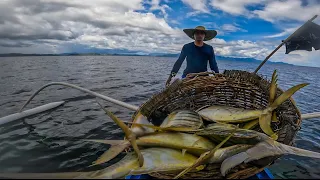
{"points": [[214, 72], [168, 80]]}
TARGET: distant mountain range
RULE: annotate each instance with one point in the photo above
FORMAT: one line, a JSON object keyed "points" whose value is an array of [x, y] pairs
{"points": [[221, 58]]}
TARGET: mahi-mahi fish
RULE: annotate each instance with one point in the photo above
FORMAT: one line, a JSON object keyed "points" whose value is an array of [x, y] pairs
{"points": [[226, 114], [156, 160]]}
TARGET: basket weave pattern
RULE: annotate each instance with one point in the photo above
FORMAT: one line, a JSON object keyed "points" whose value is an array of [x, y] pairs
{"points": [[240, 89]]}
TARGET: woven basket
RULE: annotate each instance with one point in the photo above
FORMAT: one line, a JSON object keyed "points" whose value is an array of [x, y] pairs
{"points": [[234, 88]]}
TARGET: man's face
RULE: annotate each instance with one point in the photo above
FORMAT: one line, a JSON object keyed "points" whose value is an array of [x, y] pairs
{"points": [[199, 35]]}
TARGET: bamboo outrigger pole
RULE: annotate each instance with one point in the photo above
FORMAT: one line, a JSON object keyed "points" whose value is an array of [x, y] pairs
{"points": [[298, 30]]}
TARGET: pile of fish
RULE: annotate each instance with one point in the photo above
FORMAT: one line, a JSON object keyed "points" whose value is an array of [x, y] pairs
{"points": [[183, 143]]}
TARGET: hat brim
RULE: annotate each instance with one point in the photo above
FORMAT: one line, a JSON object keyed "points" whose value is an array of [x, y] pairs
{"points": [[210, 34]]}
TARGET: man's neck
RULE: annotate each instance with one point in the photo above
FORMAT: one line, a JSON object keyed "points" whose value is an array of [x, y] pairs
{"points": [[198, 43]]}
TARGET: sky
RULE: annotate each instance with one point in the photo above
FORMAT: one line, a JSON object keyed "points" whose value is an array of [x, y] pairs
{"points": [[246, 28]]}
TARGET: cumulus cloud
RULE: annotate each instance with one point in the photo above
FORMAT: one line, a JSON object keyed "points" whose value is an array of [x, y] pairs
{"points": [[232, 28], [237, 7], [241, 48], [272, 10], [103, 24], [56, 26], [283, 33], [287, 10], [303, 58], [198, 5], [155, 5]]}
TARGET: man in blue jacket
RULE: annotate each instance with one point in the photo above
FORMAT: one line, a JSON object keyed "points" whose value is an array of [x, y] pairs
{"points": [[197, 53]]}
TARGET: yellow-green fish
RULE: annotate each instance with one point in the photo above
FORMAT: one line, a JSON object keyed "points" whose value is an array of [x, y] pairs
{"points": [[183, 118], [156, 160], [190, 143], [264, 149], [187, 142], [241, 136], [227, 114], [205, 157], [223, 153]]}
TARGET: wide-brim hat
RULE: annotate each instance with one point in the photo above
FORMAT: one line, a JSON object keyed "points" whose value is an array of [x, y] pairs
{"points": [[210, 34]]}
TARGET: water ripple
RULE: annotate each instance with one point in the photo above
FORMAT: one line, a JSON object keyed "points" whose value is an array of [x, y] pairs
{"points": [[51, 141]]}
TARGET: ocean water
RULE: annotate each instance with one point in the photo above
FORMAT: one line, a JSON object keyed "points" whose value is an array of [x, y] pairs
{"points": [[51, 141]]}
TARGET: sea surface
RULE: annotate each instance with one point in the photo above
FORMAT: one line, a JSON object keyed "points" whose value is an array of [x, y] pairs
{"points": [[51, 141]]}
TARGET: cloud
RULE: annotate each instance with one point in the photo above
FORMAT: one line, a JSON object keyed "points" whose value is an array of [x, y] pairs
{"points": [[232, 28], [237, 7], [270, 10], [155, 5], [50, 26], [193, 13], [288, 10], [100, 24], [240, 48], [104, 26], [303, 58], [283, 33], [198, 5]]}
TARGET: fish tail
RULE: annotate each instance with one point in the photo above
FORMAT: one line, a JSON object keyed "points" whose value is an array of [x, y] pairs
{"points": [[297, 151], [128, 133], [264, 149], [287, 94], [266, 117], [265, 125], [112, 152]]}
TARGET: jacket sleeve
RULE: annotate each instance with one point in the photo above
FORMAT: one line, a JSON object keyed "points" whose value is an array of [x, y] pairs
{"points": [[213, 62], [179, 62]]}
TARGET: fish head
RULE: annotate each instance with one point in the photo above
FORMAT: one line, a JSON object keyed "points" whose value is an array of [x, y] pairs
{"points": [[140, 130]]}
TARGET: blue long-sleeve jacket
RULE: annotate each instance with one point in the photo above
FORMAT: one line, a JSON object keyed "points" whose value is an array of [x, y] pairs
{"points": [[197, 59]]}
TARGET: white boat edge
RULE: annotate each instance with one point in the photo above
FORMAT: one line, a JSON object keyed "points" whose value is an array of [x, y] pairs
{"points": [[29, 112]]}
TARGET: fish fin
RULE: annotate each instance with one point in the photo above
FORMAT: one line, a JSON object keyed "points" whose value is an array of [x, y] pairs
{"points": [[284, 96], [105, 141], [251, 124], [128, 133], [111, 153], [265, 125], [195, 143], [274, 117], [184, 152], [232, 161], [273, 87], [205, 156], [63, 175]]}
